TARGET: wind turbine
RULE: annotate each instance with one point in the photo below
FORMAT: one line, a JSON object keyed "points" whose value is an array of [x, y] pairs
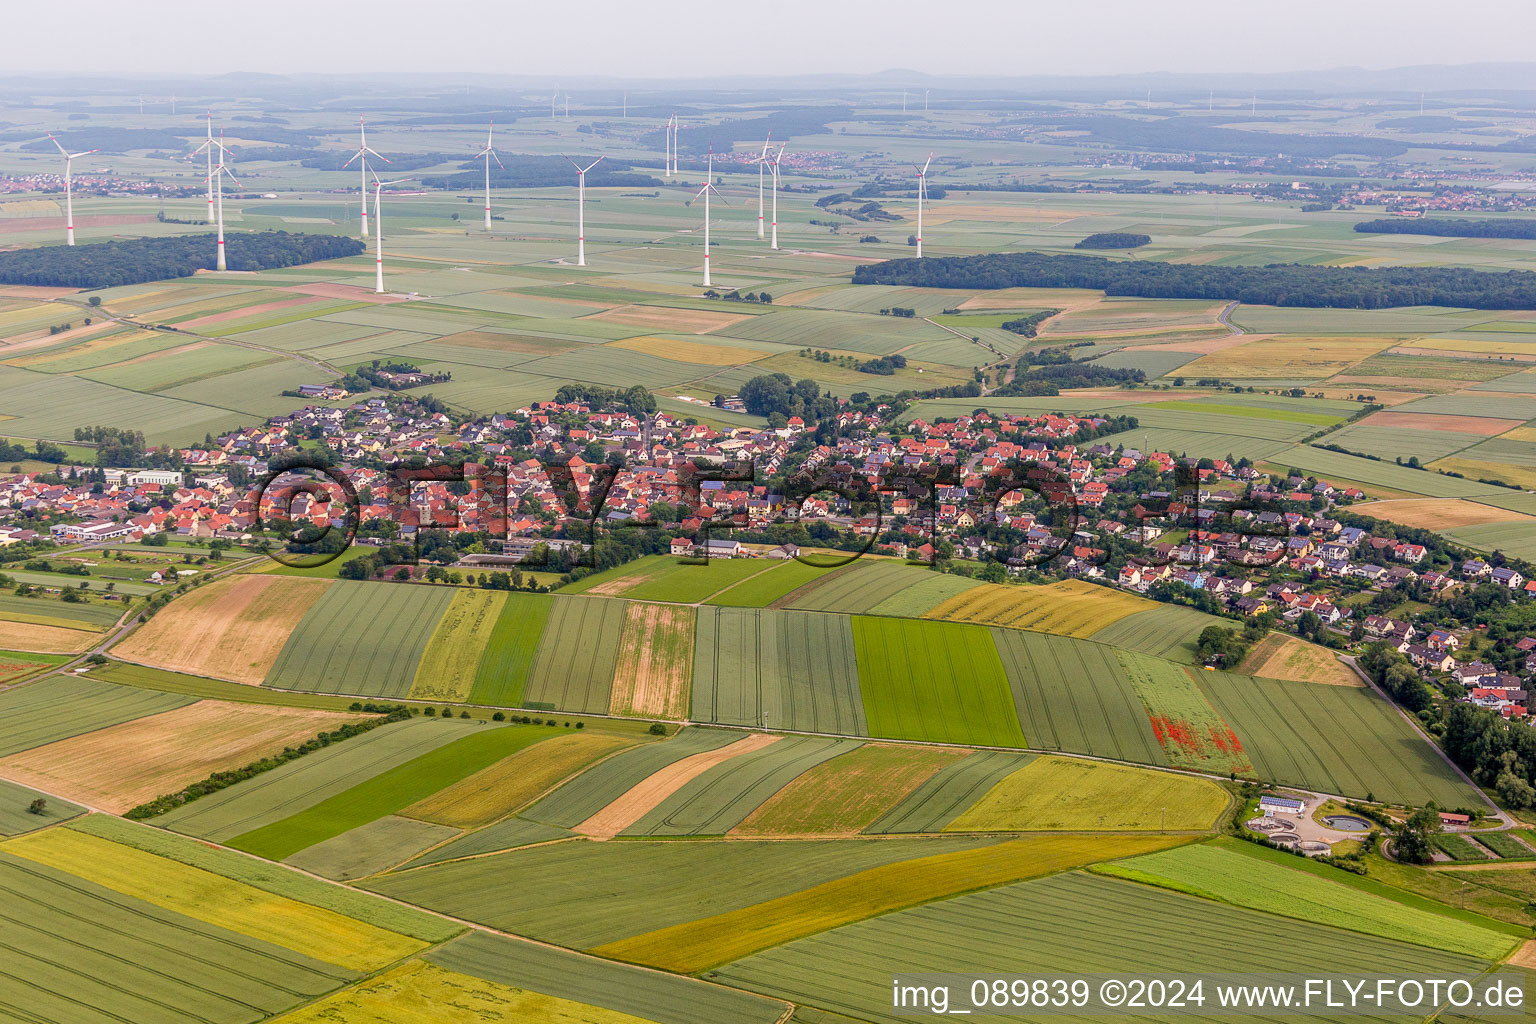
{"points": [[672, 126], [922, 193], [69, 196], [581, 209], [361, 155], [709, 186], [207, 149], [777, 157], [761, 160], [490, 154], [378, 229], [218, 179]]}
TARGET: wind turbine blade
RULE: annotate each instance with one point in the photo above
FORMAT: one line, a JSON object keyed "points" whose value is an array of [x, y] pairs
{"points": [[378, 154], [591, 165], [766, 143], [56, 142], [926, 163], [498, 160], [76, 156], [354, 157]]}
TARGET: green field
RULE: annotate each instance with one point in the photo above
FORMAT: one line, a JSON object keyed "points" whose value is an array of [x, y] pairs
{"points": [[302, 783], [664, 578], [51, 611], [1168, 631], [370, 848], [936, 681], [1065, 923], [16, 816], [502, 674], [1190, 732], [507, 834], [389, 791], [858, 587], [164, 681], [950, 791], [574, 668], [62, 706], [361, 638], [763, 589], [1226, 871], [785, 669]]}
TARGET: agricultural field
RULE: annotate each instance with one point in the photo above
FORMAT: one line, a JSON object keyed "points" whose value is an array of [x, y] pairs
{"points": [[949, 792], [763, 589], [855, 588], [48, 710], [1166, 631], [942, 682], [452, 656], [231, 629], [1069, 608], [121, 766], [655, 662], [665, 578], [361, 638], [1279, 656], [794, 670], [502, 675], [1063, 794], [368, 849], [18, 817], [1188, 729], [577, 657]]}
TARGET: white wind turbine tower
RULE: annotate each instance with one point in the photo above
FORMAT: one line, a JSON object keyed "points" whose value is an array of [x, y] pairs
{"points": [[672, 145], [581, 209], [490, 154], [709, 186], [922, 193], [761, 161], [218, 180], [363, 150], [777, 157], [69, 189], [207, 149], [378, 228]]}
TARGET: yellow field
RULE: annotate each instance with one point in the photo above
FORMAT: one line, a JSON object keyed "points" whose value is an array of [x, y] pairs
{"points": [[52, 355], [1287, 657], [698, 945], [689, 351], [1527, 434], [30, 208], [423, 993], [1286, 357], [1437, 513], [1522, 348], [232, 629], [655, 665], [31, 312], [1472, 469], [204, 896], [1068, 608], [45, 639], [497, 791], [448, 665], [1067, 794]]}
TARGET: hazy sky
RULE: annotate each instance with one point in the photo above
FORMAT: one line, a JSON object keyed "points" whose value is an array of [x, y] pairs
{"points": [[640, 39]]}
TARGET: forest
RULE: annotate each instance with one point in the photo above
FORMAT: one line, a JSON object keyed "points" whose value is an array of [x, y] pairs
{"points": [[108, 264], [1284, 284], [1113, 240], [1454, 227]]}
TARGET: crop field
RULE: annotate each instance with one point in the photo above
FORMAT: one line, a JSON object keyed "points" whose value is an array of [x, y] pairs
{"points": [[32, 636], [1167, 631], [705, 943], [855, 588], [636, 886], [1517, 539], [1439, 513], [763, 589], [302, 783], [599, 786], [1068, 608], [59, 707], [1288, 358], [1335, 739], [577, 657], [1226, 870], [507, 834], [502, 675], [1459, 848], [494, 792], [919, 598], [719, 799], [1072, 695], [48, 612], [948, 792], [452, 657], [662, 998], [1023, 929], [388, 792], [231, 629], [1189, 731], [371, 848], [1392, 443], [664, 578], [848, 793], [937, 681], [17, 817], [313, 932], [124, 765], [1329, 465], [1064, 794], [1279, 656], [793, 670], [655, 662], [80, 953], [361, 638]]}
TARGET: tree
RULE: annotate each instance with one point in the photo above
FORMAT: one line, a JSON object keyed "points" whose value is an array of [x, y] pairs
{"points": [[38, 806], [994, 573], [1514, 791], [1414, 841]]}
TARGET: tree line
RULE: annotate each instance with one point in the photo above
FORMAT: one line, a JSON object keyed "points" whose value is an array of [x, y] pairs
{"points": [[1452, 227], [108, 264], [1286, 284]]}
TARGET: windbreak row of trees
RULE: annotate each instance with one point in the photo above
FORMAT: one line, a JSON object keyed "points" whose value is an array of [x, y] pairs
{"points": [[107, 264], [1453, 227], [1285, 284]]}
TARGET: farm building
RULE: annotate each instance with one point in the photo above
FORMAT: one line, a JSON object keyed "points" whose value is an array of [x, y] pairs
{"points": [[1272, 805]]}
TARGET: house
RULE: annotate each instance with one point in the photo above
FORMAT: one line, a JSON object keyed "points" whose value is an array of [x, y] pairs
{"points": [[714, 548], [1506, 577], [682, 547], [784, 551], [1450, 820]]}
